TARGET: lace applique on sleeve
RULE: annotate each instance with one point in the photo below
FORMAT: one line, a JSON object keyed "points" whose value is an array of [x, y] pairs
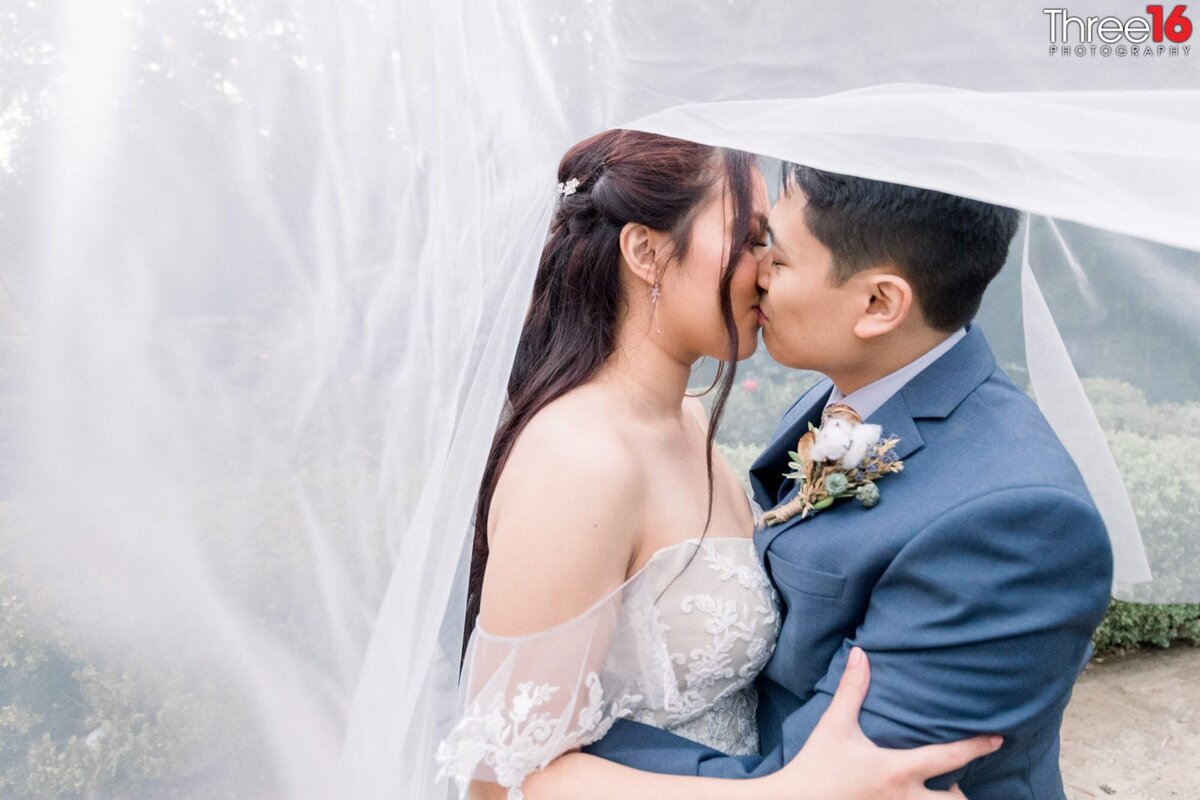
{"points": [[676, 646], [524, 701]]}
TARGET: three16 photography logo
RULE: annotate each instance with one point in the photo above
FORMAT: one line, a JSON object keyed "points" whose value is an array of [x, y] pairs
{"points": [[1158, 34]]}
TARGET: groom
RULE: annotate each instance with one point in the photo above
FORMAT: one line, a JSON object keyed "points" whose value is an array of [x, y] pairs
{"points": [[976, 582]]}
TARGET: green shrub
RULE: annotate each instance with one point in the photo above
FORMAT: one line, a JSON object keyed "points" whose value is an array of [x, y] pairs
{"points": [[1155, 447], [1129, 626], [77, 725], [763, 391]]}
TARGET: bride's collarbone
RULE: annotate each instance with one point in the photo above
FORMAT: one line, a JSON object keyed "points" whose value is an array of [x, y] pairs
{"points": [[666, 460], [677, 492], [677, 510]]}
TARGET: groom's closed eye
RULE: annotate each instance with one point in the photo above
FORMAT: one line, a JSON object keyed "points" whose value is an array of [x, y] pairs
{"points": [[778, 253]]}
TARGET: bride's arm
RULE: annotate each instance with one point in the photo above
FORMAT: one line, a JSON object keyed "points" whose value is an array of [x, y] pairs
{"points": [[562, 529], [837, 761], [584, 777]]}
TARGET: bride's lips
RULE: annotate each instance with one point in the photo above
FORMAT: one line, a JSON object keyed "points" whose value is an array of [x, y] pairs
{"points": [[761, 316]]}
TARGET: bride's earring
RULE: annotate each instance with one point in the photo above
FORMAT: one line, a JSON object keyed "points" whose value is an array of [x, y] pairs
{"points": [[655, 291]]}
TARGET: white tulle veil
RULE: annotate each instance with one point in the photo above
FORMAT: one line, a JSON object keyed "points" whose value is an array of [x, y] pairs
{"points": [[265, 265]]}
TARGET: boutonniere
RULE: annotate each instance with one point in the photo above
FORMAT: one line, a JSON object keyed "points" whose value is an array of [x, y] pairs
{"points": [[842, 458]]}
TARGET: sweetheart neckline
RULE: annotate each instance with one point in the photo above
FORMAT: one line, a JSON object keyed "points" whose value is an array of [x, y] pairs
{"points": [[480, 631]]}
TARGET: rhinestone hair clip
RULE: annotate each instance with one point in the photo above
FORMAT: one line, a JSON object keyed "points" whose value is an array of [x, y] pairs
{"points": [[567, 189]]}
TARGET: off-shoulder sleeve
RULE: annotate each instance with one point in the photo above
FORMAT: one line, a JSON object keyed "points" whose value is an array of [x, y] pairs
{"points": [[523, 701]]}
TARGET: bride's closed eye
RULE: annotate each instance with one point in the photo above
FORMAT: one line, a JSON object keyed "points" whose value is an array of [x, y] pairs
{"points": [[759, 245]]}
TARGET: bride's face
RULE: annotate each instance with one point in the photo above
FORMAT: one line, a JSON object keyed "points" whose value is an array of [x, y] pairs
{"points": [[691, 290]]}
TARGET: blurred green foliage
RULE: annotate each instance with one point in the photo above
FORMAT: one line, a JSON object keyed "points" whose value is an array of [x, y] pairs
{"points": [[1154, 446], [78, 724]]}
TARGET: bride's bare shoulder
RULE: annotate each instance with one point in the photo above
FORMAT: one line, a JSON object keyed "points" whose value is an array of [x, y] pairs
{"points": [[578, 427], [565, 512]]}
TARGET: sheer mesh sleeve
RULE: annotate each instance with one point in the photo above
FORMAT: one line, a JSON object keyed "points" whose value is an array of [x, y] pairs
{"points": [[524, 701]]}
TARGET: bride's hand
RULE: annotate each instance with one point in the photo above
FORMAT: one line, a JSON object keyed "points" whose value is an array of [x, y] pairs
{"points": [[839, 761]]}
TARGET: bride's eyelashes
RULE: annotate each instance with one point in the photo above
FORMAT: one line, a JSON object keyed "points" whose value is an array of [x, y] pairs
{"points": [[758, 244], [756, 240]]}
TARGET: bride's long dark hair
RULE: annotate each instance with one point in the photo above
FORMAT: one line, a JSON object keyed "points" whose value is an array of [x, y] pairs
{"points": [[571, 328]]}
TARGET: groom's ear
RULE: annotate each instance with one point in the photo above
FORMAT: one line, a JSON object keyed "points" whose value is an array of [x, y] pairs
{"points": [[642, 251], [887, 301]]}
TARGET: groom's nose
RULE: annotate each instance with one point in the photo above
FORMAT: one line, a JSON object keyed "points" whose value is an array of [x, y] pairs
{"points": [[764, 272]]}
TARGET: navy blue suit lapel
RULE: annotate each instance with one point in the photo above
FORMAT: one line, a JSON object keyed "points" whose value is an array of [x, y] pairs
{"points": [[933, 394], [766, 473], [895, 418], [939, 388], [936, 391]]}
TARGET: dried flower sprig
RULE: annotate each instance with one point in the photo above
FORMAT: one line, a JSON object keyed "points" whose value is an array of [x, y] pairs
{"points": [[843, 458]]}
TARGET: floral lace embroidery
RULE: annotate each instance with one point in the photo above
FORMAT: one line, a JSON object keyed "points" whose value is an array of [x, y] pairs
{"points": [[684, 662], [729, 725], [750, 577], [523, 740], [729, 622]]}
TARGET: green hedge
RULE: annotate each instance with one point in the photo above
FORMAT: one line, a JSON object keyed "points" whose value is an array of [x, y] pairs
{"points": [[1131, 626], [76, 724]]}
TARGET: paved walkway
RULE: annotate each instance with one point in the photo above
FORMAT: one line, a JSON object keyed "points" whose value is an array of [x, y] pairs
{"points": [[1132, 731]]}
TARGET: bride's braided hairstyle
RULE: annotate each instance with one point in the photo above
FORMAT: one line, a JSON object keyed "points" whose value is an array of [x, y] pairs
{"points": [[571, 327]]}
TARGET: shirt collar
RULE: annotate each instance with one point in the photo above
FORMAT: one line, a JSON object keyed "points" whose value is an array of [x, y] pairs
{"points": [[867, 400]]}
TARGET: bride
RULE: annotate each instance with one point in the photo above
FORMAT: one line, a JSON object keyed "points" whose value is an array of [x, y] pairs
{"points": [[613, 572]]}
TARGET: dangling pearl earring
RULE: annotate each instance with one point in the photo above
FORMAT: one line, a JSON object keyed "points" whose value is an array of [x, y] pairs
{"points": [[655, 291]]}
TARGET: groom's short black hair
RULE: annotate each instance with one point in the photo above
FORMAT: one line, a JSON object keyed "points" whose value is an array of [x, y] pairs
{"points": [[948, 247]]}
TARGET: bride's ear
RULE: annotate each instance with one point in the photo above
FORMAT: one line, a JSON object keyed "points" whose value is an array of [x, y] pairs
{"points": [[888, 300], [642, 252]]}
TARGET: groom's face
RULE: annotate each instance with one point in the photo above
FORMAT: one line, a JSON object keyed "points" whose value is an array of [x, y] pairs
{"points": [[809, 319]]}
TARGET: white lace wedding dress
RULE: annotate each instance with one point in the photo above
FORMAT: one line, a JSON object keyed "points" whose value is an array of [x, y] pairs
{"points": [[677, 646]]}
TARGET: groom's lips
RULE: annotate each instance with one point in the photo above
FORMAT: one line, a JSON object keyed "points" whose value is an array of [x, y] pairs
{"points": [[762, 317]]}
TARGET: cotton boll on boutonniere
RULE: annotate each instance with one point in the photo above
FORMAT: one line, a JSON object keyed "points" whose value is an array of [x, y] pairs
{"points": [[841, 459]]}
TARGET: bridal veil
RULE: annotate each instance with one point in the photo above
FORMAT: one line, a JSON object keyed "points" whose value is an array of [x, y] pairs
{"points": [[265, 266]]}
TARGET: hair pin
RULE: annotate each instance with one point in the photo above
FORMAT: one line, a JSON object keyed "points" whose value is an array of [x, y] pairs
{"points": [[567, 189]]}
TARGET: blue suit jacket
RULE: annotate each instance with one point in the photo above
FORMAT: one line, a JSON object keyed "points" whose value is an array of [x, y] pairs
{"points": [[974, 586]]}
